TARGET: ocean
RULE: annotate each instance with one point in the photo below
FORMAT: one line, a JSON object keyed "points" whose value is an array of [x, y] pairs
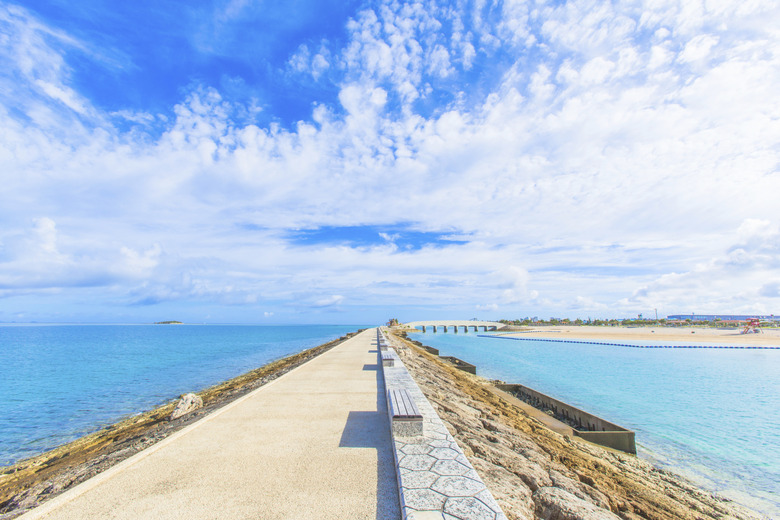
{"points": [[59, 382], [708, 415]]}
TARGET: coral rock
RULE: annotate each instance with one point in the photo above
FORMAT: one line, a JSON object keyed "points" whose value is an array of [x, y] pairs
{"points": [[188, 403]]}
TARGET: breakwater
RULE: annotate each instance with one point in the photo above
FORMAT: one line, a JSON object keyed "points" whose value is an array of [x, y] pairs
{"points": [[460, 364], [71, 380], [33, 481], [531, 469], [671, 398], [628, 345], [586, 425]]}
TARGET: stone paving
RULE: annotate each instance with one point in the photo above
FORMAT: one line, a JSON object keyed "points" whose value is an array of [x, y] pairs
{"points": [[435, 479]]}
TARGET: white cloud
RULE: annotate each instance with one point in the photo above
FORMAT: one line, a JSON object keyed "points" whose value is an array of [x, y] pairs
{"points": [[632, 172], [742, 277], [64, 95], [698, 48], [330, 301]]}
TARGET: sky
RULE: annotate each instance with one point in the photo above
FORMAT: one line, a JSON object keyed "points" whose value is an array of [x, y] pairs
{"points": [[319, 161]]}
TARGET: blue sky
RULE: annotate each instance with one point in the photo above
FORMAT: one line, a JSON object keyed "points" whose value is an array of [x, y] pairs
{"points": [[347, 162]]}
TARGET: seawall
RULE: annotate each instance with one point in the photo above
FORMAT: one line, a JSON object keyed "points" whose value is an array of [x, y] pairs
{"points": [[534, 472], [586, 425]]}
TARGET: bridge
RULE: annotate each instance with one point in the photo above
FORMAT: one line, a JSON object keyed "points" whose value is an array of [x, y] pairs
{"points": [[455, 325]]}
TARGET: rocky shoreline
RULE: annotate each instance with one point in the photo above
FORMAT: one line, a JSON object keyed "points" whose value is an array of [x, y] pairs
{"points": [[29, 483], [535, 473]]}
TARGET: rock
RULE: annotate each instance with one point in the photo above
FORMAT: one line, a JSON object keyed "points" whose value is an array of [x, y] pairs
{"points": [[515, 496], [533, 475], [557, 504], [188, 403], [579, 489]]}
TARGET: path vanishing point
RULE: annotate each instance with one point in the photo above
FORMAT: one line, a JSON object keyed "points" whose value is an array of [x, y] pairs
{"points": [[315, 443]]}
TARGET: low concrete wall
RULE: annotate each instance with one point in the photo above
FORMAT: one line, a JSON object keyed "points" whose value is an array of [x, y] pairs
{"points": [[586, 425], [459, 363], [428, 349], [619, 440], [435, 479]]}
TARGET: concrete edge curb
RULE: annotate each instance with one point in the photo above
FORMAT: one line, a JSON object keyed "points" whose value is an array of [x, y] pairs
{"points": [[435, 479]]}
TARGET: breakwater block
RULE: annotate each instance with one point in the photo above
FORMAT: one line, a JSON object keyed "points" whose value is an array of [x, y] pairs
{"points": [[460, 364], [585, 425]]}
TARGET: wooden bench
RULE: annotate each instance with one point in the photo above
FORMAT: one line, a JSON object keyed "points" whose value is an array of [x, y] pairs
{"points": [[406, 418], [388, 360]]}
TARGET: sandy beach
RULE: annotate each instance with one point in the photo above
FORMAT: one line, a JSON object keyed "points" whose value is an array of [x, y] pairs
{"points": [[768, 337]]}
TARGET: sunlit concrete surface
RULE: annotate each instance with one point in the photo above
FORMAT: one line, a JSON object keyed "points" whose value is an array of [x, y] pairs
{"points": [[315, 443]]}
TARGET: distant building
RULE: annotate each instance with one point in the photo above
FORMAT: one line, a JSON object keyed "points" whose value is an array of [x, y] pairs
{"points": [[722, 317]]}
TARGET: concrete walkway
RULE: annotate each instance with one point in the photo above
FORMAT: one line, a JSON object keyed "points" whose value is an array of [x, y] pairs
{"points": [[314, 443]]}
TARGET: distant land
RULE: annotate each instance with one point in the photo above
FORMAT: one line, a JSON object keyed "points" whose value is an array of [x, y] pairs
{"points": [[173, 322]]}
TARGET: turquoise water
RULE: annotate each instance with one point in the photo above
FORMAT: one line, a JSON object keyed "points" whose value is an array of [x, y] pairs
{"points": [[59, 382], [710, 415]]}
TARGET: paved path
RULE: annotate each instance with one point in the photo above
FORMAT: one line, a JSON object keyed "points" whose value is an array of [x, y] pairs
{"points": [[314, 443]]}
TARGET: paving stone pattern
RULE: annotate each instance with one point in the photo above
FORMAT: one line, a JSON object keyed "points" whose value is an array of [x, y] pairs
{"points": [[435, 479]]}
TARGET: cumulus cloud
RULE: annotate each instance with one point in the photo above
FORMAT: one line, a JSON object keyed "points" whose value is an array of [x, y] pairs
{"points": [[596, 159], [743, 277]]}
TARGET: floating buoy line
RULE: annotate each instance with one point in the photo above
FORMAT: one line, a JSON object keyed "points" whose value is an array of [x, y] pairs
{"points": [[583, 342]]}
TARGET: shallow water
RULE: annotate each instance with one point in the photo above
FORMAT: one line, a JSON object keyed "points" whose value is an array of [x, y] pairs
{"points": [[710, 415], [58, 382]]}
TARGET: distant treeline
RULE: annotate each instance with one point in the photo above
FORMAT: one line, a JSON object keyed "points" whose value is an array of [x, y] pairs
{"points": [[662, 322]]}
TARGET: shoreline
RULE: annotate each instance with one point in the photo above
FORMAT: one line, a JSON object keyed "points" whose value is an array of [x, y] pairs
{"points": [[612, 336], [32, 481], [511, 449], [496, 429], [769, 337]]}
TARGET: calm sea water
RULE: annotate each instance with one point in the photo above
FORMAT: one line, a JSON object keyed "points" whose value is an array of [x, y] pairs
{"points": [[710, 415], [59, 382]]}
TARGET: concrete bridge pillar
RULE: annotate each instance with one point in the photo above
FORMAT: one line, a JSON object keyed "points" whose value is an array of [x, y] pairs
{"points": [[445, 329], [476, 328], [456, 328], [466, 329], [434, 329], [423, 328]]}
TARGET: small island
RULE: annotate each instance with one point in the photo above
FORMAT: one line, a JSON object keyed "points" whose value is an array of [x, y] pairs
{"points": [[173, 322]]}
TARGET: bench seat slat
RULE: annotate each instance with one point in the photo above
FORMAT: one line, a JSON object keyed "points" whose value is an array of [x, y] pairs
{"points": [[408, 404], [402, 405]]}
